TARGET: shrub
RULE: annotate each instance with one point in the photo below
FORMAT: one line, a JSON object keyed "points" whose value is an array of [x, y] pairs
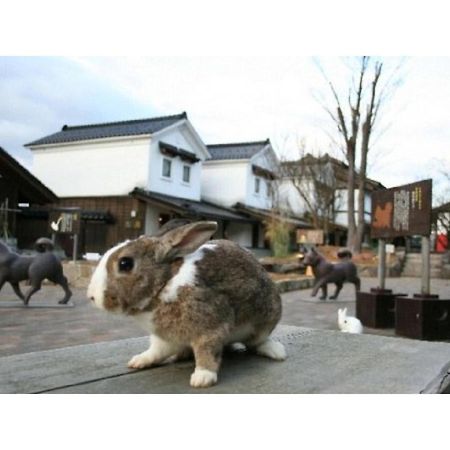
{"points": [[277, 232]]}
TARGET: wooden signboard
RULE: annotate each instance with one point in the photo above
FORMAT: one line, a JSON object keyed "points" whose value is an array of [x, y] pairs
{"points": [[310, 237], [402, 211], [65, 221]]}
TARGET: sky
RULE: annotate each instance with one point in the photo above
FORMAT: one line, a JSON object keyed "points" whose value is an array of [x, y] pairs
{"points": [[232, 99]]}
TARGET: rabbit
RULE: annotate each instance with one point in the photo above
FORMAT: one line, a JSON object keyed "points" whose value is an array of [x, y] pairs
{"points": [[192, 295], [348, 324]]}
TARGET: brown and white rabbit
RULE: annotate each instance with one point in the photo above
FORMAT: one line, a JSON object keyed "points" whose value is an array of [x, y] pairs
{"points": [[190, 294]]}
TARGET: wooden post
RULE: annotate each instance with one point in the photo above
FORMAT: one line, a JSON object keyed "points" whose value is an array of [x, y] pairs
{"points": [[425, 290], [381, 263], [75, 247]]}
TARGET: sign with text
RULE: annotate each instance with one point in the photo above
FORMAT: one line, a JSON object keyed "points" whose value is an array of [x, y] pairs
{"points": [[65, 221], [402, 211], [310, 237]]}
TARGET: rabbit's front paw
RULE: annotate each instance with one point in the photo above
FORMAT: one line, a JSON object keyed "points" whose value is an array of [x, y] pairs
{"points": [[203, 378], [141, 361]]}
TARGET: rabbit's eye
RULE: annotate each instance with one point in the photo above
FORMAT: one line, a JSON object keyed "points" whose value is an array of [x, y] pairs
{"points": [[126, 264]]}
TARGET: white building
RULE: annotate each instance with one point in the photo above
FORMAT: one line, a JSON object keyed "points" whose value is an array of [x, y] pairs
{"points": [[241, 176], [332, 173], [128, 177]]}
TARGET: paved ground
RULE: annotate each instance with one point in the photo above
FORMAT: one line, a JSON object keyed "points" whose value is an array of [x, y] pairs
{"points": [[43, 326]]}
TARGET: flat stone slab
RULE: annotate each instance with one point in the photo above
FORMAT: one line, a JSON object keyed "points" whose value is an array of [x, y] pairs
{"points": [[36, 304], [318, 362], [294, 284]]}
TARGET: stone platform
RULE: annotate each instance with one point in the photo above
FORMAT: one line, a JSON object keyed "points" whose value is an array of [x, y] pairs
{"points": [[319, 361]]}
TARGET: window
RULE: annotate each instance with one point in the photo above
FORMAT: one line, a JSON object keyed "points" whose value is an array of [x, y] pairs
{"points": [[166, 168], [268, 189], [186, 174], [257, 185]]}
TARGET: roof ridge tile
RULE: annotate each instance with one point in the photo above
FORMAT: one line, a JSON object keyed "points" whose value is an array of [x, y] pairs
{"points": [[240, 144], [183, 115]]}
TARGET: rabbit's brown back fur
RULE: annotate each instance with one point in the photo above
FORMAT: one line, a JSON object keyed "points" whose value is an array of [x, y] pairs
{"points": [[235, 273], [242, 291]]}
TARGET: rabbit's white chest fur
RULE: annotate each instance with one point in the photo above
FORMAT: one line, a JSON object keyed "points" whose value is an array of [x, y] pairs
{"points": [[186, 274]]}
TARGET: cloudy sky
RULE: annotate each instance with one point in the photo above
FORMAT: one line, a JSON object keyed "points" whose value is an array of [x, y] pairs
{"points": [[230, 99]]}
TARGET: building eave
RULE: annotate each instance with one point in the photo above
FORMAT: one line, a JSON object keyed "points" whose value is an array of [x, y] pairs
{"points": [[113, 139]]}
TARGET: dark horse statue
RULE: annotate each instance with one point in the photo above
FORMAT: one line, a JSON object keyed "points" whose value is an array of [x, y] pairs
{"points": [[326, 272], [44, 265]]}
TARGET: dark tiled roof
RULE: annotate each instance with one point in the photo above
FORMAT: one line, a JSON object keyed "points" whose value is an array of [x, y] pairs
{"points": [[241, 150], [33, 189], [265, 214], [445, 207], [340, 170], [111, 129], [191, 208]]}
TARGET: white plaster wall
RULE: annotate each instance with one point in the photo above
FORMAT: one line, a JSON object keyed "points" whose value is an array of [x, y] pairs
{"points": [[224, 182], [265, 159], [368, 208], [342, 205], [96, 168], [341, 218], [179, 137], [290, 199], [262, 200]]}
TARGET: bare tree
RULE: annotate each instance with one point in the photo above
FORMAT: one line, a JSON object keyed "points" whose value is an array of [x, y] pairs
{"points": [[355, 124], [441, 196], [314, 181]]}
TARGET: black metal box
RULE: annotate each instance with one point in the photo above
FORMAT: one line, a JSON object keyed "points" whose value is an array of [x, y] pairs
{"points": [[422, 317], [376, 309]]}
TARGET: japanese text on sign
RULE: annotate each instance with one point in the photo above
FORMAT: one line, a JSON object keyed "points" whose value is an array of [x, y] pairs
{"points": [[402, 211]]}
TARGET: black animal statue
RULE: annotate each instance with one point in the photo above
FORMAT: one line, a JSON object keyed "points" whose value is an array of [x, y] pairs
{"points": [[326, 272], [45, 265]]}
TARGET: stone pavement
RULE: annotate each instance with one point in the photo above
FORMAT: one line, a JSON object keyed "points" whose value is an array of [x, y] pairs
{"points": [[31, 329], [80, 349], [44, 325]]}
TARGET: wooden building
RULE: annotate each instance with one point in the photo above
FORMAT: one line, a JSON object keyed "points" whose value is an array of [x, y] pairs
{"points": [[20, 192]]}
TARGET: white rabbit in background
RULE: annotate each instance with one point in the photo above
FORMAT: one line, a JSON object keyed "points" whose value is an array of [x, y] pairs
{"points": [[348, 324]]}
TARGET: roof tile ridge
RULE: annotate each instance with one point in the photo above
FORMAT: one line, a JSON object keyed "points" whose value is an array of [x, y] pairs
{"points": [[181, 116]]}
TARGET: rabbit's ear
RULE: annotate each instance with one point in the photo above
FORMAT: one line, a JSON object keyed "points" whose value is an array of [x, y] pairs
{"points": [[184, 240], [344, 311]]}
